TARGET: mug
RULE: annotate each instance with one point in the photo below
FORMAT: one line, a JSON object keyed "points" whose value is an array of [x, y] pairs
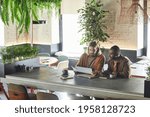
{"points": [[65, 72]]}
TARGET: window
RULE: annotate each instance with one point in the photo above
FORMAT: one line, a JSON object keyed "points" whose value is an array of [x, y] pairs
{"points": [[148, 41], [1, 33], [71, 35]]}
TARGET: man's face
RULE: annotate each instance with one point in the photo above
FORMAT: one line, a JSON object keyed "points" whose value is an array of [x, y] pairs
{"points": [[91, 50], [113, 54]]}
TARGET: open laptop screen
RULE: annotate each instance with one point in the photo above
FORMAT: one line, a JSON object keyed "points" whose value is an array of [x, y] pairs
{"points": [[82, 70]]}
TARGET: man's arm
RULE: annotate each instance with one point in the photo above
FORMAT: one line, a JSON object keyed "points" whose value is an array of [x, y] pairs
{"points": [[109, 70], [126, 71]]}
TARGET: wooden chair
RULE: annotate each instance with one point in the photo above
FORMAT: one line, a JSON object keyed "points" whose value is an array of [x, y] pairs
{"points": [[63, 65]]}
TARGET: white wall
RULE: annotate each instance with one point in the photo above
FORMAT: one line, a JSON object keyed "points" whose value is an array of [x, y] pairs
{"points": [[71, 35], [140, 30], [42, 33], [1, 33], [122, 31], [54, 28], [148, 43], [71, 6]]}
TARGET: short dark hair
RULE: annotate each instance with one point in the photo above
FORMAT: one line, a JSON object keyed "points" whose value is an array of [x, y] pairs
{"points": [[93, 44], [115, 48]]}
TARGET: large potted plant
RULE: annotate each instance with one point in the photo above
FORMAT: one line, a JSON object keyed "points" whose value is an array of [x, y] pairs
{"points": [[12, 56], [147, 84], [92, 22]]}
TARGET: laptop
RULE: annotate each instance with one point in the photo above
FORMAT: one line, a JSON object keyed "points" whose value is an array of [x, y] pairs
{"points": [[83, 70]]}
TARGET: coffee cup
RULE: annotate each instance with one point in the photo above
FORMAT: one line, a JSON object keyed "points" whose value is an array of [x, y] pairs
{"points": [[65, 72]]}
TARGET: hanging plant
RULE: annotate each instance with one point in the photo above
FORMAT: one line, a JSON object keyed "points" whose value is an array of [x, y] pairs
{"points": [[22, 12], [92, 22]]}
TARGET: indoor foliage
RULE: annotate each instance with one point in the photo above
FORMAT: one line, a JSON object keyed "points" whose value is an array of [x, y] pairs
{"points": [[15, 53], [148, 73], [92, 21], [22, 12]]}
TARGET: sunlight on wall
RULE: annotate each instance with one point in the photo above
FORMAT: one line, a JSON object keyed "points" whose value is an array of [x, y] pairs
{"points": [[71, 34], [71, 6], [148, 41]]}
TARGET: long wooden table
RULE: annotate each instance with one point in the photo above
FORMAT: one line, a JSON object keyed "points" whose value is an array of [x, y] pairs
{"points": [[48, 78]]}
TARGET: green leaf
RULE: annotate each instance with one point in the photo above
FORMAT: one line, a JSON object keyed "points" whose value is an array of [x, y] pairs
{"points": [[92, 22], [20, 12]]}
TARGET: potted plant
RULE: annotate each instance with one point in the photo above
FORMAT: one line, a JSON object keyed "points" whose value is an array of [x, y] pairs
{"points": [[147, 84], [17, 55], [92, 22]]}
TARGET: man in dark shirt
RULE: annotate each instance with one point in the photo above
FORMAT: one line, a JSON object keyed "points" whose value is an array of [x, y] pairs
{"points": [[118, 65]]}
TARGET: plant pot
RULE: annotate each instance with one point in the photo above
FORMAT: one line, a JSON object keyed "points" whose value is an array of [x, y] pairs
{"points": [[6, 69], [147, 88]]}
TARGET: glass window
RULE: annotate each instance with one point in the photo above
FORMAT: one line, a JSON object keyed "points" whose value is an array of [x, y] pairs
{"points": [[71, 34], [148, 41]]}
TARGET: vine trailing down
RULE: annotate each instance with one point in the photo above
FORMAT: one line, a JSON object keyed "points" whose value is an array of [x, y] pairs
{"points": [[92, 22], [22, 12]]}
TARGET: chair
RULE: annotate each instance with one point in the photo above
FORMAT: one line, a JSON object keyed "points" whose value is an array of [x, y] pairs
{"points": [[62, 58], [63, 65], [60, 64]]}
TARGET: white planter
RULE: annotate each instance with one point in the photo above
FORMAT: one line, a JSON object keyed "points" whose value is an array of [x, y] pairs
{"points": [[9, 68]]}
